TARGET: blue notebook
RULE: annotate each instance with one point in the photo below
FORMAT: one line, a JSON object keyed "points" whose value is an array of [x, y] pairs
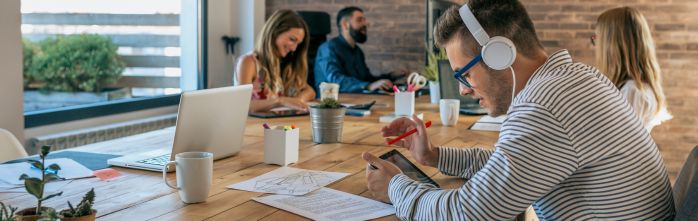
{"points": [[93, 161]]}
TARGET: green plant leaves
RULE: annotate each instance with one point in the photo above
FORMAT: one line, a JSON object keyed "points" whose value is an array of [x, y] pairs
{"points": [[35, 163], [44, 151], [34, 186], [52, 195], [54, 167], [51, 177], [84, 62]]}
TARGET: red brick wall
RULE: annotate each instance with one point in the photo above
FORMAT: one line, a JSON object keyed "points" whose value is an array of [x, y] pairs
{"points": [[397, 39], [395, 35]]}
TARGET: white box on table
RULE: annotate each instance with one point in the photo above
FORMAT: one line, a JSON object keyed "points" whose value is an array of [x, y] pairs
{"points": [[404, 103], [281, 146]]}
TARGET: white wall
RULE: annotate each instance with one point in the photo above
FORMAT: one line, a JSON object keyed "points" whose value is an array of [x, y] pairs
{"points": [[11, 106], [241, 18]]}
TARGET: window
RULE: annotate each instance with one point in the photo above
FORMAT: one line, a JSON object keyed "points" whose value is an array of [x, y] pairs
{"points": [[86, 58]]}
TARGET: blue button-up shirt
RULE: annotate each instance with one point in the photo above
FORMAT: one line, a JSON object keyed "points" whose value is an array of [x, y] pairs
{"points": [[337, 62]]}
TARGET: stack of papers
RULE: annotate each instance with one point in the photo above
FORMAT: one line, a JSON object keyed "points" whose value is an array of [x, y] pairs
{"points": [[487, 123], [302, 192], [10, 173]]}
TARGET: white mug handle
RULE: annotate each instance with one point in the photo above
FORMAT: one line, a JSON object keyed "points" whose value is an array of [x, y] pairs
{"points": [[164, 174]]}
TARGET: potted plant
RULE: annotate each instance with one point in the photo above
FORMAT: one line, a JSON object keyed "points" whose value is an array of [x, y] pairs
{"points": [[71, 70], [431, 72], [327, 120], [83, 211], [7, 212], [35, 186]]}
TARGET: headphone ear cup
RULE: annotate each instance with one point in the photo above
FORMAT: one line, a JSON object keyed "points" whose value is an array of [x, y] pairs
{"points": [[499, 53]]}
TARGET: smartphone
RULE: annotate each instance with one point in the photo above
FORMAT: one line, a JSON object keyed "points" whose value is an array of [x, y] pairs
{"points": [[407, 167]]}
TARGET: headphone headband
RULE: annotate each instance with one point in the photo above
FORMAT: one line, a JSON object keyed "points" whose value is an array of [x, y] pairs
{"points": [[473, 25]]}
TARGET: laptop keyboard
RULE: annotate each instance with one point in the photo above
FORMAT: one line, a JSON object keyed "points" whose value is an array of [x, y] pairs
{"points": [[159, 160]]}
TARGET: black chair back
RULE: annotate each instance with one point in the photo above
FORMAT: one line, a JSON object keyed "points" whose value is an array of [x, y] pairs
{"points": [[319, 26]]}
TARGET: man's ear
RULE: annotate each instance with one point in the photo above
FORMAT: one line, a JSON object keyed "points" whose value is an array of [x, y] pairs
{"points": [[345, 24]]}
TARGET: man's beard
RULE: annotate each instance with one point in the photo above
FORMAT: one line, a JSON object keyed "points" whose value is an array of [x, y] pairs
{"points": [[500, 92], [357, 35]]}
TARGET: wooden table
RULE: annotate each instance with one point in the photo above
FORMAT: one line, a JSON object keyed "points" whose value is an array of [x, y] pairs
{"points": [[142, 195]]}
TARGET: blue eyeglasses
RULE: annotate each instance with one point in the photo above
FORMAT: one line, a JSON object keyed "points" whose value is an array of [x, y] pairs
{"points": [[459, 73]]}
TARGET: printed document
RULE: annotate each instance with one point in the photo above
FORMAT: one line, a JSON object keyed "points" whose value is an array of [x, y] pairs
{"points": [[329, 204], [289, 181], [9, 173], [487, 123]]}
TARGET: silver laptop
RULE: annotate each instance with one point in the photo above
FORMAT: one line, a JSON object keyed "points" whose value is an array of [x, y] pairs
{"points": [[211, 120], [449, 90]]}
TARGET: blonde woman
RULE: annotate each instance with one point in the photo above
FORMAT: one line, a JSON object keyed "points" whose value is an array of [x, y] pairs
{"points": [[278, 66], [625, 53]]}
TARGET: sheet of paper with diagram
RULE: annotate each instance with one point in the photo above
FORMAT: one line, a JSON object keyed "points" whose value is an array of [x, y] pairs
{"points": [[289, 181], [329, 204]]}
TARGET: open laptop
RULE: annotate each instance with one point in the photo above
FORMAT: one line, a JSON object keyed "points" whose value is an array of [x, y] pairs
{"points": [[211, 120], [449, 90]]}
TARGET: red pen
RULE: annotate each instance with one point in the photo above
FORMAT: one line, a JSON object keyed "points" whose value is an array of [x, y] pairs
{"points": [[427, 124], [395, 89]]}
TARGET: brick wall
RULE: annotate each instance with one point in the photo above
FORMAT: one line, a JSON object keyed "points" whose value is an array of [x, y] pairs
{"points": [[395, 35], [397, 38]]}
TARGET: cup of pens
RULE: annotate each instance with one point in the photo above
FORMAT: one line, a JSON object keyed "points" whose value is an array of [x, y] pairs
{"points": [[281, 144], [404, 103]]}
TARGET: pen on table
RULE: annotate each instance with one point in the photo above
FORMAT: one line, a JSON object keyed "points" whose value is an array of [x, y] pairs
{"points": [[395, 89], [266, 126], [391, 142]]}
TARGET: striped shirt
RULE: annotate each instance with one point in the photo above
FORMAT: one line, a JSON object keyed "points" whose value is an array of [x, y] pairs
{"points": [[571, 146]]}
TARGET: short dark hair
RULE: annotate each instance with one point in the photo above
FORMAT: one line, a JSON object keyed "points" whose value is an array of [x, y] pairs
{"points": [[507, 18], [346, 12]]}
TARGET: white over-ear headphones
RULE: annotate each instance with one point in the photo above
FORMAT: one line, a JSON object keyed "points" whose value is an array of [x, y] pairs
{"points": [[497, 52]]}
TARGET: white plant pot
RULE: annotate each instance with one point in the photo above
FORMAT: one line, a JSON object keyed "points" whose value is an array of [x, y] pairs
{"points": [[434, 92]]}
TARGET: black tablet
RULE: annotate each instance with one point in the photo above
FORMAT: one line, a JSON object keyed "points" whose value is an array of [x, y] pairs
{"points": [[407, 167], [279, 112]]}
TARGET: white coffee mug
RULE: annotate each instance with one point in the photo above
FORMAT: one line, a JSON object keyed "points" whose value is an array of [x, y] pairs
{"points": [[194, 175], [449, 110], [329, 90]]}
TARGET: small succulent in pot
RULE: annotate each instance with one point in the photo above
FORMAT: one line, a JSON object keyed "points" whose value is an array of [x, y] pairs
{"points": [[83, 211], [35, 186]]}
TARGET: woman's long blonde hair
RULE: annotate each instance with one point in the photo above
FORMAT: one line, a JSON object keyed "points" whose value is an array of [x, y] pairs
{"points": [[290, 71], [625, 51]]}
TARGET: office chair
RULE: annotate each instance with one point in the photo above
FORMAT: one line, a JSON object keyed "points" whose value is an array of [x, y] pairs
{"points": [[686, 189], [319, 26], [10, 148]]}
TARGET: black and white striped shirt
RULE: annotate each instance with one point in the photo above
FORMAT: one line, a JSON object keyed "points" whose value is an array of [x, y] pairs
{"points": [[571, 146]]}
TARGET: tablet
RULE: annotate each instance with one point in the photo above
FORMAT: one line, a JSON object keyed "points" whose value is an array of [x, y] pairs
{"points": [[279, 112], [407, 167]]}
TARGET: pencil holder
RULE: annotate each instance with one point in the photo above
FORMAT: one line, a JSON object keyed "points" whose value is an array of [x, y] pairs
{"points": [[281, 146], [404, 103]]}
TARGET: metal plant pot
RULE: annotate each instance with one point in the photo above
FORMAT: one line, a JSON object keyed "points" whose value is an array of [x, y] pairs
{"points": [[327, 124]]}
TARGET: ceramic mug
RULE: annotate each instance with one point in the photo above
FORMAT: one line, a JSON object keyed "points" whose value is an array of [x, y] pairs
{"points": [[194, 174], [449, 110]]}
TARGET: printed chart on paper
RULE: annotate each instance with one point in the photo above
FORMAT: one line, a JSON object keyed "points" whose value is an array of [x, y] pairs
{"points": [[289, 181]]}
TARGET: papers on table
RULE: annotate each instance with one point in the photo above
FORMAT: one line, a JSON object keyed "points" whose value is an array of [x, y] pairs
{"points": [[49, 188], [290, 181], [9, 173], [329, 204], [487, 123]]}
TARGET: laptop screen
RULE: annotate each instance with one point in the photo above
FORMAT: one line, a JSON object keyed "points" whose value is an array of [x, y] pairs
{"points": [[449, 86]]}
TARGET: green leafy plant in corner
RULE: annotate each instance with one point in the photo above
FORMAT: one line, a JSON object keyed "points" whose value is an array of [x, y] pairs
{"points": [[431, 70], [30, 51], [85, 62], [7, 212], [35, 186], [328, 103], [83, 208]]}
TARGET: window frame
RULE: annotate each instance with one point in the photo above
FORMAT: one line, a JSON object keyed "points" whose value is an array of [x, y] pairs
{"points": [[86, 111]]}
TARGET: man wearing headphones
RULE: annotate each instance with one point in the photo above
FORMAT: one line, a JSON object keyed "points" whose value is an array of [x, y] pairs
{"points": [[571, 145]]}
